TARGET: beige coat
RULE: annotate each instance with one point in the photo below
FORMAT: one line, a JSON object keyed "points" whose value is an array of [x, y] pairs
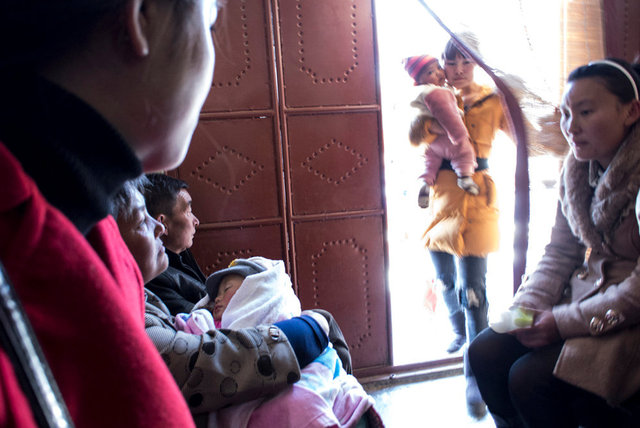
{"points": [[589, 275]]}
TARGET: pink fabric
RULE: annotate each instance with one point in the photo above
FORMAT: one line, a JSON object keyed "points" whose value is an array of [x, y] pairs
{"points": [[456, 144], [14, 407], [322, 398], [197, 322]]}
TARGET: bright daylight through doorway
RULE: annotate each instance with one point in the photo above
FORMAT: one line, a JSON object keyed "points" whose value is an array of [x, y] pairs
{"points": [[404, 29]]}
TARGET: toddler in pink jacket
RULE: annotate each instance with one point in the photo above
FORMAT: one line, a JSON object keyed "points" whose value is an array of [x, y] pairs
{"points": [[447, 138]]}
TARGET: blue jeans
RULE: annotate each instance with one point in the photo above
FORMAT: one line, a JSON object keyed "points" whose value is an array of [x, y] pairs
{"points": [[464, 288]]}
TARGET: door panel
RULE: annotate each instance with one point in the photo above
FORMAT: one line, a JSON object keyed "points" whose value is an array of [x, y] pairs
{"points": [[621, 29], [338, 266], [288, 166], [214, 249], [327, 53], [335, 162], [243, 73], [232, 162]]}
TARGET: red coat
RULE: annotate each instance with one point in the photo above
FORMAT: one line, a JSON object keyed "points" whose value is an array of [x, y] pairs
{"points": [[84, 299]]}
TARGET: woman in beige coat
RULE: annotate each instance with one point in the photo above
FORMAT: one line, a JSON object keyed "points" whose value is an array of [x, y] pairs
{"points": [[579, 363]]}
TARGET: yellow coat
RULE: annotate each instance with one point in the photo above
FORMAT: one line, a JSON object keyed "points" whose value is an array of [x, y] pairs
{"points": [[460, 223]]}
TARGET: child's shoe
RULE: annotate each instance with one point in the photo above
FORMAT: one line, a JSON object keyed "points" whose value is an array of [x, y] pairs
{"points": [[468, 185], [423, 197]]}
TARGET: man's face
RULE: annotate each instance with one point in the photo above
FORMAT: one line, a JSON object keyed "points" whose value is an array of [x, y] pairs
{"points": [[141, 233], [180, 224]]}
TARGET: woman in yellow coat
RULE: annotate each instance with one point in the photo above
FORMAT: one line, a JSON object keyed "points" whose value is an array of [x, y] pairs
{"points": [[464, 227]]}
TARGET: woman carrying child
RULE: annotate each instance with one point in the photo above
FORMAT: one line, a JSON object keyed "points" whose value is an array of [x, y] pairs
{"points": [[578, 363], [463, 227]]}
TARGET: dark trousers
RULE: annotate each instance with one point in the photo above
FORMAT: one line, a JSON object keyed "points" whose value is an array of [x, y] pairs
{"points": [[519, 388]]}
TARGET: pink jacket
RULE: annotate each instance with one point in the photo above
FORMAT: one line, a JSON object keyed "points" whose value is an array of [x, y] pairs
{"points": [[455, 145]]}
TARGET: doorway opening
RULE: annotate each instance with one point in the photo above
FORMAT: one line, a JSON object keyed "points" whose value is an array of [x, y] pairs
{"points": [[420, 331]]}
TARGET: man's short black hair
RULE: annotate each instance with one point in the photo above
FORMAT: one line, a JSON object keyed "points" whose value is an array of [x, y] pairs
{"points": [[121, 202], [161, 194]]}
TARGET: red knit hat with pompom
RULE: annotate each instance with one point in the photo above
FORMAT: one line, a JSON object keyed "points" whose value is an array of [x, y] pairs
{"points": [[416, 64]]}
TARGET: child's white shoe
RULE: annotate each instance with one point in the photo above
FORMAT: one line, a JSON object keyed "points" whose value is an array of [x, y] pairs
{"points": [[468, 185]]}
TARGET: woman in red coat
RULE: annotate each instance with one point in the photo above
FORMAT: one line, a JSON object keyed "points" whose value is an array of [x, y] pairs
{"points": [[93, 93]]}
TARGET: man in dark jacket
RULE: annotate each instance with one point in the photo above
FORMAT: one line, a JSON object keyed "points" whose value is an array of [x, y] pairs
{"points": [[182, 284]]}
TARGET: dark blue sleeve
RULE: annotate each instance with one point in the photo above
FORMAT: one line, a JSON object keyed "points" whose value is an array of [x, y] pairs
{"points": [[305, 336]]}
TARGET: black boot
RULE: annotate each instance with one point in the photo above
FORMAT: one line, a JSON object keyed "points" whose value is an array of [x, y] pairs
{"points": [[476, 408], [458, 324], [456, 316], [476, 320]]}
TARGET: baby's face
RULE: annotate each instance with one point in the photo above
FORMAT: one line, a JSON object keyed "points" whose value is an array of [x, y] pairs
{"points": [[433, 74], [228, 287]]}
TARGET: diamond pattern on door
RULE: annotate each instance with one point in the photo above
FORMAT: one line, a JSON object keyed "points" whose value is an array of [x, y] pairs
{"points": [[232, 163], [286, 161], [335, 163]]}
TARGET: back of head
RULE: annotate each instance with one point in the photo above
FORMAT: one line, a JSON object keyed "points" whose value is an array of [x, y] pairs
{"points": [[35, 32], [161, 193], [618, 76]]}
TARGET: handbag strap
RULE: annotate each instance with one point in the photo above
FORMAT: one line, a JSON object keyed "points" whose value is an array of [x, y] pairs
{"points": [[21, 346], [514, 113]]}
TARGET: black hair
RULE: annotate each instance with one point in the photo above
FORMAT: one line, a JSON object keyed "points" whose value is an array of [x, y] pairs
{"points": [[613, 79], [161, 194], [121, 202], [34, 32], [451, 51], [452, 48]]}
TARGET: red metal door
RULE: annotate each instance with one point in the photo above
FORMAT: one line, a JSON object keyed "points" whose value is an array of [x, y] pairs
{"points": [[287, 159]]}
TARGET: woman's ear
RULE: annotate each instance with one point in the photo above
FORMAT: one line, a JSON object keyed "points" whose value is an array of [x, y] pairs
{"points": [[633, 113], [136, 26]]}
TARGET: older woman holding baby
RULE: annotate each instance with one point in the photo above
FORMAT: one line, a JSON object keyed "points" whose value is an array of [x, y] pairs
{"points": [[578, 363]]}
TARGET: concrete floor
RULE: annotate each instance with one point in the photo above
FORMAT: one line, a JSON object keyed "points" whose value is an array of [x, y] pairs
{"points": [[433, 403]]}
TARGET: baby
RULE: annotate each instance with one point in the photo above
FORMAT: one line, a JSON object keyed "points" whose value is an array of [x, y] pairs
{"points": [[447, 137], [266, 298], [259, 291]]}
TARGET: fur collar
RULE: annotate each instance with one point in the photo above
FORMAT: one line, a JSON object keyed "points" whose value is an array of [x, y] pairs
{"points": [[595, 201]]}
